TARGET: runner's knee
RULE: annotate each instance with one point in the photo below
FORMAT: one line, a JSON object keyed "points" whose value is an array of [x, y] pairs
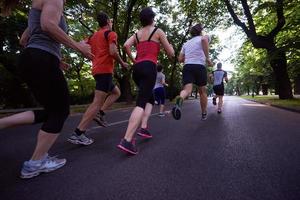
{"points": [[55, 120]]}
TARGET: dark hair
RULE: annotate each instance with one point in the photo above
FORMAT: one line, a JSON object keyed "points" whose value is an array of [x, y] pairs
{"points": [[147, 16], [196, 30], [7, 5], [102, 19], [219, 65], [159, 67]]}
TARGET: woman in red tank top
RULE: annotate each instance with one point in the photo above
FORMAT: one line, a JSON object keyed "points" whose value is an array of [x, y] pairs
{"points": [[147, 43]]}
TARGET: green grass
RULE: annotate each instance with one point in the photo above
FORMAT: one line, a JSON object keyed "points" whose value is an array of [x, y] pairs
{"points": [[82, 108], [274, 100], [118, 105]]}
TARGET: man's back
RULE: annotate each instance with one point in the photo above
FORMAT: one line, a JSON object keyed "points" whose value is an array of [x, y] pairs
{"points": [[218, 76]]}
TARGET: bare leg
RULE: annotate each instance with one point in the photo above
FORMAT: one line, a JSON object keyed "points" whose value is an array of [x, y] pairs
{"points": [[92, 110], [146, 115], [203, 99], [220, 103], [44, 142], [17, 119], [161, 108], [115, 94], [134, 121], [187, 90]]}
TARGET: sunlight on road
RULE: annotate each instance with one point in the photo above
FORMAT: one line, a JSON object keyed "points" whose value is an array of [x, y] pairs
{"points": [[253, 105]]}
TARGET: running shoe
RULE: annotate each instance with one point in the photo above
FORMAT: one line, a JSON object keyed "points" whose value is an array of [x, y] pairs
{"points": [[176, 110], [128, 147], [219, 111], [204, 116], [31, 169], [144, 133], [100, 120], [161, 114], [214, 101], [80, 139]]}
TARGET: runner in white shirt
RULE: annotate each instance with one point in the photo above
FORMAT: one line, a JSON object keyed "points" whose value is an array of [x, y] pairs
{"points": [[194, 54]]}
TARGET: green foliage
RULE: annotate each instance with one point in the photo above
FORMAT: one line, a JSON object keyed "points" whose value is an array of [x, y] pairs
{"points": [[173, 17], [252, 65]]}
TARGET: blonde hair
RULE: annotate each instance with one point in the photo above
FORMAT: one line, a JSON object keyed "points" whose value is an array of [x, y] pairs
{"points": [[6, 7]]}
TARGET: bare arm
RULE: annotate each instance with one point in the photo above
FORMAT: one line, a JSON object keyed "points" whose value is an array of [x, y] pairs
{"points": [[25, 37], [128, 44], [211, 78], [164, 82], [50, 18], [181, 57], [166, 45], [226, 78], [205, 47], [113, 51]]}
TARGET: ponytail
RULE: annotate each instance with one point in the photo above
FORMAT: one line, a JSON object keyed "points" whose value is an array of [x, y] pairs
{"points": [[6, 7]]}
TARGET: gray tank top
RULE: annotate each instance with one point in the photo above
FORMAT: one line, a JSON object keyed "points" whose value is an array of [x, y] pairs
{"points": [[40, 39]]}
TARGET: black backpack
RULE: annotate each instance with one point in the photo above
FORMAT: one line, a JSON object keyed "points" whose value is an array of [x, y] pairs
{"points": [[106, 33]]}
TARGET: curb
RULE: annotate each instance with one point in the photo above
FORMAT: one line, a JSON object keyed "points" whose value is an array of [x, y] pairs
{"points": [[276, 106]]}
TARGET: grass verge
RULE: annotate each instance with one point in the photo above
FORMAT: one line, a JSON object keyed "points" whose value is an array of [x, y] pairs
{"points": [[293, 104], [117, 105]]}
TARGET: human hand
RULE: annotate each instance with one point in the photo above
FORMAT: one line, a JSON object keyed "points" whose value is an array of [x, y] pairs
{"points": [[64, 66], [85, 49], [209, 62], [125, 65]]}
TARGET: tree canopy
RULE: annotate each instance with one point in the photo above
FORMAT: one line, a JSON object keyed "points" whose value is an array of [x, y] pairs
{"points": [[273, 23]]}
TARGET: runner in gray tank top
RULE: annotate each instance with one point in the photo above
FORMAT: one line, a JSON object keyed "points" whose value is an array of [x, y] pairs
{"points": [[159, 90], [217, 77], [40, 67]]}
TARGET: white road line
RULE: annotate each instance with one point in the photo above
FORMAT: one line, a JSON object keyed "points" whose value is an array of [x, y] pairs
{"points": [[124, 121]]}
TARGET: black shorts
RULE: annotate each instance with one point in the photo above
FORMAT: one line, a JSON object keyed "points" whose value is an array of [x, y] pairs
{"points": [[160, 95], [144, 76], [219, 89], [41, 71], [194, 73], [104, 82]]}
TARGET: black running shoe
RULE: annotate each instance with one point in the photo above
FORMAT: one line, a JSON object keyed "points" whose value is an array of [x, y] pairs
{"points": [[176, 112], [128, 147], [204, 116], [144, 133], [214, 101], [219, 111], [100, 120]]}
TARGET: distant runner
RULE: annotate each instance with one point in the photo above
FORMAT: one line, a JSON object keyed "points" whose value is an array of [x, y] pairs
{"points": [[218, 76]]}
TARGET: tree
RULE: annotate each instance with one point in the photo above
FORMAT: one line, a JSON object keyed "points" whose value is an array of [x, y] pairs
{"points": [[276, 56]]}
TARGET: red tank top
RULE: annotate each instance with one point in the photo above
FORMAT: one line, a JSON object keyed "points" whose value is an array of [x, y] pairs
{"points": [[147, 50]]}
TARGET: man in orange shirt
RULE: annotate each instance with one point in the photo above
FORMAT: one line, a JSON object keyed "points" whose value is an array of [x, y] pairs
{"points": [[104, 47]]}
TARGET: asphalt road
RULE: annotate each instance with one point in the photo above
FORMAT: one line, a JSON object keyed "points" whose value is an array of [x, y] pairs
{"points": [[249, 152]]}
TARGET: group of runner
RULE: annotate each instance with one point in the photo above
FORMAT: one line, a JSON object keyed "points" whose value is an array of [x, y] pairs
{"points": [[41, 63]]}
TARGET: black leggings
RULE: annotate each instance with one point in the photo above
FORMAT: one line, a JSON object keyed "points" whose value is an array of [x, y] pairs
{"points": [[41, 71], [144, 75]]}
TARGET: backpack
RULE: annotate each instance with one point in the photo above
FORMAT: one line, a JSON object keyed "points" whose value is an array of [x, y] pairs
{"points": [[106, 33]]}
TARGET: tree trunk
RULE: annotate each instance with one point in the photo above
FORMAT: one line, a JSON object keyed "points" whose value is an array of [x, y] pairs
{"points": [[297, 85], [125, 88], [264, 88], [279, 65]]}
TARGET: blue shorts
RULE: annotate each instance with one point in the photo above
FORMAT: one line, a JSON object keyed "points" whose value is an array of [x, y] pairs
{"points": [[160, 95]]}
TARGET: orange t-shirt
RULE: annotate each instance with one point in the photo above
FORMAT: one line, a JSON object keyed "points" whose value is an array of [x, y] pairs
{"points": [[103, 62]]}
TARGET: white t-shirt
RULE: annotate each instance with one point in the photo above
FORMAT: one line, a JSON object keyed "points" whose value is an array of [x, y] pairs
{"points": [[193, 51], [160, 77]]}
